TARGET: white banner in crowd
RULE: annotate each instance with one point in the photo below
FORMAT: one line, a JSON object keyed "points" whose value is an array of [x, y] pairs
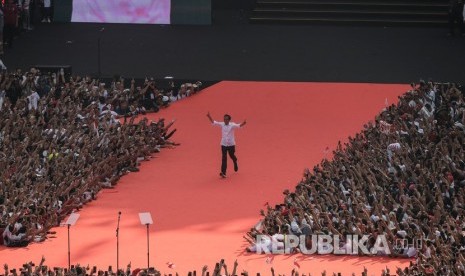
{"points": [[122, 11]]}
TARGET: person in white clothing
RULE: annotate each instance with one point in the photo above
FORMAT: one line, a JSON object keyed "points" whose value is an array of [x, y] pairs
{"points": [[47, 11], [12, 239], [33, 100], [2, 98], [391, 149], [26, 15], [228, 143]]}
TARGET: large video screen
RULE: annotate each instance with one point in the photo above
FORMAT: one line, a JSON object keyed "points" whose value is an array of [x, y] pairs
{"points": [[122, 11]]}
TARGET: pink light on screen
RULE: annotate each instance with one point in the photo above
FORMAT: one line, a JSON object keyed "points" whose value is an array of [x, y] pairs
{"points": [[122, 11]]}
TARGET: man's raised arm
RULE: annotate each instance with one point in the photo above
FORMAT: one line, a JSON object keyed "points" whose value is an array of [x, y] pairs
{"points": [[243, 123], [210, 117]]}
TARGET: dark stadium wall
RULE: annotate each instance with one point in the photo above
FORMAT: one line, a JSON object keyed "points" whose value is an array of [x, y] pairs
{"points": [[232, 4], [63, 10], [191, 12]]}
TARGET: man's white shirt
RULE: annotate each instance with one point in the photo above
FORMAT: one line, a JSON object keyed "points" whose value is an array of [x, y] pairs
{"points": [[227, 133]]}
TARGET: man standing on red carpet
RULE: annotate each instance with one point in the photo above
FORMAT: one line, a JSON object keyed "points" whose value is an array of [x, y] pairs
{"points": [[228, 144]]}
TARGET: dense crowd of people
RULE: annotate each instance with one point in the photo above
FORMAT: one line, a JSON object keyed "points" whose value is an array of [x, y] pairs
{"points": [[403, 177], [64, 138], [220, 269]]}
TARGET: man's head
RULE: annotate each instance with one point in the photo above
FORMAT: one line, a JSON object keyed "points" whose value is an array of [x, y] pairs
{"points": [[227, 118]]}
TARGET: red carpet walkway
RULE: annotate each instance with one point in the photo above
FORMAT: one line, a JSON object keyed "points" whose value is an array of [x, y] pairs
{"points": [[200, 218]]}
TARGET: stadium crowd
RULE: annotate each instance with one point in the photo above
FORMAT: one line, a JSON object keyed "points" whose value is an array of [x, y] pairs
{"points": [[220, 269], [64, 138], [402, 177]]}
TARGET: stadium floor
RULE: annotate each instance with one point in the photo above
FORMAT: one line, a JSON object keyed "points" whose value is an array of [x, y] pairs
{"points": [[200, 218]]}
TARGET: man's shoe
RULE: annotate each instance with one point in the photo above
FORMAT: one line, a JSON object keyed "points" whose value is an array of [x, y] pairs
{"points": [[222, 175], [236, 168]]}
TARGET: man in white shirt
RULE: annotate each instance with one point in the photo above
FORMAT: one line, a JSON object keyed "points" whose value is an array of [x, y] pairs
{"points": [[228, 143]]}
